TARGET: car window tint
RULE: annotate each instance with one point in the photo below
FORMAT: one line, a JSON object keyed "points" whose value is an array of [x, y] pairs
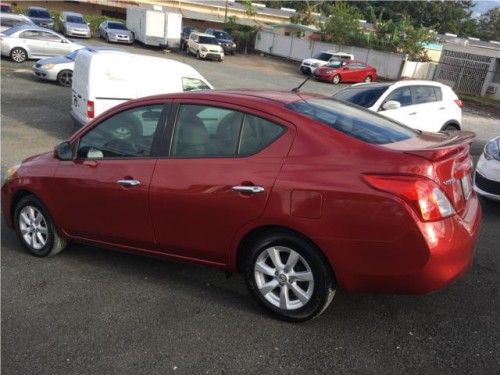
{"points": [[365, 97], [50, 37], [193, 84], [353, 121], [31, 34], [126, 134], [424, 94], [206, 131], [401, 95]]}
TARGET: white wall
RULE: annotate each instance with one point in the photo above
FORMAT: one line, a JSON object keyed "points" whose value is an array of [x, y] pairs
{"points": [[388, 64], [419, 70]]}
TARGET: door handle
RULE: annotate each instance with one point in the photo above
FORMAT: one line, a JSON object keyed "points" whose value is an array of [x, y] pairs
{"points": [[128, 182], [249, 189], [413, 113]]}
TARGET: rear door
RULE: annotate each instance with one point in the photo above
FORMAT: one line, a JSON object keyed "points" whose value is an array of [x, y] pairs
{"points": [[222, 167]]}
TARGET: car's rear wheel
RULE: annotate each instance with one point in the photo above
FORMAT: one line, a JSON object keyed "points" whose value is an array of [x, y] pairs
{"points": [[35, 228], [287, 275], [18, 55], [65, 78], [450, 127], [336, 79], [368, 79]]}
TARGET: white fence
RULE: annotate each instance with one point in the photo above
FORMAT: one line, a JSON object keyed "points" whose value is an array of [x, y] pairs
{"points": [[419, 70], [388, 65]]}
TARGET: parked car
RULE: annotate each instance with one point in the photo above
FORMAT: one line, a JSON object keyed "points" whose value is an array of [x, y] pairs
{"points": [[487, 175], [6, 8], [32, 42], [301, 193], [115, 31], [423, 105], [40, 16], [185, 32], [73, 24], [60, 68], [308, 66], [204, 46], [224, 40], [337, 71], [9, 20]]}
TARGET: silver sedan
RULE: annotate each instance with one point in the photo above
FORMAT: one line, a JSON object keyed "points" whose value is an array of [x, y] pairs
{"points": [[114, 31], [29, 42]]}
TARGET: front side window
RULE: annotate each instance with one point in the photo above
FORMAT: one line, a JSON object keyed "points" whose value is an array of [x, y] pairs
{"points": [[126, 134], [206, 131], [353, 121], [31, 34], [401, 95]]}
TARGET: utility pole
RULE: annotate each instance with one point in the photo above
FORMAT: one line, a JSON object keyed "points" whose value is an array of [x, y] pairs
{"points": [[225, 14]]}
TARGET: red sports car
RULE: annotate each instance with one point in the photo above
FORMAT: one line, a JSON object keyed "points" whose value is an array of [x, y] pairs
{"points": [[338, 71], [301, 193]]}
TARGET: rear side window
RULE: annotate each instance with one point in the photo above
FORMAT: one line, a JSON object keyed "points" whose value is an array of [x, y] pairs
{"points": [[426, 94], [193, 84], [365, 97], [353, 121], [207, 131]]}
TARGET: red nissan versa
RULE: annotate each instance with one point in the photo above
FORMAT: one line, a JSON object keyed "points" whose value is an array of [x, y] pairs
{"points": [[337, 71], [301, 193]]}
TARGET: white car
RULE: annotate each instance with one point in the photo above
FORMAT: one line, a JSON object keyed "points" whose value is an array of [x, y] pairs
{"points": [[487, 175], [32, 42], [9, 20], [423, 105], [204, 46], [60, 68], [308, 66]]}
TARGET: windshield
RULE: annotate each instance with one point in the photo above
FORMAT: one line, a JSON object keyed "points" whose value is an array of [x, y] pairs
{"points": [[335, 64], [353, 121], [38, 13], [116, 26], [207, 40], [363, 96], [323, 56], [221, 35], [75, 19]]}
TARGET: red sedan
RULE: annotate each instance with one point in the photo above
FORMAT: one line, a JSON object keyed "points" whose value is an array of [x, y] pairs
{"points": [[301, 193], [338, 71]]}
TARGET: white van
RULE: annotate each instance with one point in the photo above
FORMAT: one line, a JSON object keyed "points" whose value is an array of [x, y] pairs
{"points": [[103, 79], [308, 66]]}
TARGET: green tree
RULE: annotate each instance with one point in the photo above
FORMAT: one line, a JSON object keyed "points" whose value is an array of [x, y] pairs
{"points": [[343, 23], [489, 25]]}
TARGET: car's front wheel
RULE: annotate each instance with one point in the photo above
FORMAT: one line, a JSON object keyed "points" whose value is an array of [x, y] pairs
{"points": [[65, 78], [336, 79], [287, 274], [368, 79], [198, 55], [18, 55], [35, 228]]}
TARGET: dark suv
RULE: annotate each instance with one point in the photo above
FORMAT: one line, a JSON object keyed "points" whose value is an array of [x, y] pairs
{"points": [[40, 16], [224, 40], [185, 32]]}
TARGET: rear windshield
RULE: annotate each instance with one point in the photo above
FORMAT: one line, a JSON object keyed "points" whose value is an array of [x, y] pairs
{"points": [[353, 121], [323, 56], [365, 97]]}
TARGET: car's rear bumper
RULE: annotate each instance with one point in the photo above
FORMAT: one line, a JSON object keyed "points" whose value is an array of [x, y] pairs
{"points": [[425, 259]]}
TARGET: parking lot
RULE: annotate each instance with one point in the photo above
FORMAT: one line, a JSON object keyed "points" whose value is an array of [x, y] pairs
{"points": [[91, 310]]}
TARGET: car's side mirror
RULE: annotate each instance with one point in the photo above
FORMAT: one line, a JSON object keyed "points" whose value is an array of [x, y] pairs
{"points": [[391, 104], [63, 151]]}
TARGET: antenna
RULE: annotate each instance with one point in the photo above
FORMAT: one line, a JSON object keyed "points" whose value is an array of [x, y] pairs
{"points": [[297, 89]]}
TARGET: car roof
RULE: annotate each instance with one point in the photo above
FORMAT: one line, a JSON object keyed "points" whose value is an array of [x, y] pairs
{"points": [[15, 16], [203, 34], [72, 13], [15, 29], [37, 8], [401, 83]]}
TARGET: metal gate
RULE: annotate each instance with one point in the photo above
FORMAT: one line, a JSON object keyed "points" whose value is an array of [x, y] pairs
{"points": [[464, 72]]}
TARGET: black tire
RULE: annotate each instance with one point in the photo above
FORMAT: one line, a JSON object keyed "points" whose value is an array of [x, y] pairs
{"points": [[18, 55], [450, 127], [35, 228], [336, 79], [278, 287], [368, 78], [65, 78], [107, 38]]}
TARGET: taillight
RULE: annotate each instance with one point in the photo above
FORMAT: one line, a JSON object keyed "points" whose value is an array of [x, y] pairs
{"points": [[90, 109], [422, 194], [458, 102]]}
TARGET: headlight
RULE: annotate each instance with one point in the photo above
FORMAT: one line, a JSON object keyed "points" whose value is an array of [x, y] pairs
{"points": [[329, 72], [204, 49], [11, 172], [47, 66], [492, 149], [234, 45]]}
